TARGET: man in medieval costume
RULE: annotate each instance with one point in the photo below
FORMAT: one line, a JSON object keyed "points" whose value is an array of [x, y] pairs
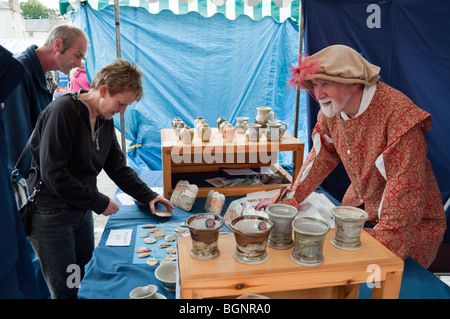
{"points": [[379, 135]]}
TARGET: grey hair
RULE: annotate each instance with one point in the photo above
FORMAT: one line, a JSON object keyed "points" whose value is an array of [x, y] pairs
{"points": [[67, 33]]}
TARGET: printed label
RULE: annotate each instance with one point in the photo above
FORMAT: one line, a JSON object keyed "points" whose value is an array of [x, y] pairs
{"points": [[210, 223]]}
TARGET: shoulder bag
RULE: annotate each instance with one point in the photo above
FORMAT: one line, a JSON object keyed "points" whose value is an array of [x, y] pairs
{"points": [[25, 200]]}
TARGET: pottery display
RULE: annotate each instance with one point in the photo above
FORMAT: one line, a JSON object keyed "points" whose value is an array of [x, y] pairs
{"points": [[251, 233], [204, 230], [253, 132], [264, 114], [205, 132], [184, 195], [275, 131], [214, 202], [241, 124], [219, 121], [282, 216], [186, 134], [349, 222], [309, 237]]}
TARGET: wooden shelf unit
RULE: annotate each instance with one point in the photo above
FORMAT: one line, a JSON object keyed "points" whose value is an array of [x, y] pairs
{"points": [[217, 154]]}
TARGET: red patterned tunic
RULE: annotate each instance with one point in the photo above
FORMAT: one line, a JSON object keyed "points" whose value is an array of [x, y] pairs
{"points": [[385, 155]]}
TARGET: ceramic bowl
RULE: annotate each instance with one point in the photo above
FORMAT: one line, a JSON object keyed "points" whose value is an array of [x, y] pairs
{"points": [[166, 273], [145, 292]]}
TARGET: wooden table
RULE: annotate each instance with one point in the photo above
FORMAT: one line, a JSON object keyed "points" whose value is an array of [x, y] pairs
{"points": [[279, 277], [217, 154]]}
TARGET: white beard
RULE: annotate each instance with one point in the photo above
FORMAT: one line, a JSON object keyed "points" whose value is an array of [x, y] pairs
{"points": [[332, 109]]}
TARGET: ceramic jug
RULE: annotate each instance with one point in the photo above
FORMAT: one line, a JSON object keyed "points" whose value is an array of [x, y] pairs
{"points": [[180, 125], [222, 125], [241, 124], [205, 132], [274, 131], [186, 135], [175, 122], [219, 121], [198, 122], [199, 119], [264, 114], [253, 132], [228, 132]]}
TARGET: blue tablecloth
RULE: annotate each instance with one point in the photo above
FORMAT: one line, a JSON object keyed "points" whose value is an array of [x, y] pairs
{"points": [[111, 273]]}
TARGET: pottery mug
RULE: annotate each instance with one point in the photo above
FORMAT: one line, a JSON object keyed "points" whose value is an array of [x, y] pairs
{"points": [[349, 222], [274, 131], [241, 124], [204, 230], [253, 132], [264, 114], [309, 238]]}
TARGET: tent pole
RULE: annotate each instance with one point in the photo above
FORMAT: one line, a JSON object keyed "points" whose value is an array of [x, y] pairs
{"points": [[119, 55], [300, 50]]}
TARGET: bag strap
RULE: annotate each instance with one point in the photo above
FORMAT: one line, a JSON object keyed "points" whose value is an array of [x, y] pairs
{"points": [[19, 162]]}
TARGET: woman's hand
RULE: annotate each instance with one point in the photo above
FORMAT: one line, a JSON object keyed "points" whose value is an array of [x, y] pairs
{"points": [[111, 209], [161, 200]]}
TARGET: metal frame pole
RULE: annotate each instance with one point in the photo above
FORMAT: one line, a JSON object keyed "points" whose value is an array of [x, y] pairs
{"points": [[119, 55]]}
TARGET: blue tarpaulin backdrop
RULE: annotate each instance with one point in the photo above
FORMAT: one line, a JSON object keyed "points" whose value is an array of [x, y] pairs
{"points": [[409, 40], [195, 66]]}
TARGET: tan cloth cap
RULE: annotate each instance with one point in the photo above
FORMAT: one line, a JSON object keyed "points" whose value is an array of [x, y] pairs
{"points": [[337, 63]]}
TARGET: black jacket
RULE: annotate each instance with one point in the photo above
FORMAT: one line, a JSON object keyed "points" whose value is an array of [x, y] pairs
{"points": [[64, 148]]}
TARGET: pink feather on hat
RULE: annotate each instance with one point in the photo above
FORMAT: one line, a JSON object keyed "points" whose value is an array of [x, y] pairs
{"points": [[305, 71]]}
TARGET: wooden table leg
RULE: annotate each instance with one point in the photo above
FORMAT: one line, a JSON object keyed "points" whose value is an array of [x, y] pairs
{"points": [[348, 291], [390, 288], [298, 162], [167, 172]]}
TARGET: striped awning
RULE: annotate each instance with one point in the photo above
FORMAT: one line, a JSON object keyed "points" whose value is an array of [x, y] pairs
{"points": [[279, 10]]}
